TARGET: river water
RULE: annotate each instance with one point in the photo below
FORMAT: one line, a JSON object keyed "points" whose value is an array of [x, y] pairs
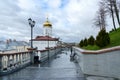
{"points": [[58, 68]]}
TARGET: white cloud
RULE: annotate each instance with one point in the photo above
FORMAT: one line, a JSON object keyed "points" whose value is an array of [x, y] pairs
{"points": [[54, 3], [72, 19]]}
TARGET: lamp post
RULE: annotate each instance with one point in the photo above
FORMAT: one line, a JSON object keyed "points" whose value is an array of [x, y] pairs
{"points": [[48, 47], [32, 24]]}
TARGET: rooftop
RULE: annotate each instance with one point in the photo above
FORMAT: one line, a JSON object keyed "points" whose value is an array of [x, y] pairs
{"points": [[45, 38]]}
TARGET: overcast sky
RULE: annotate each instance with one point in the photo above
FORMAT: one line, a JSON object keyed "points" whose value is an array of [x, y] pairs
{"points": [[72, 20]]}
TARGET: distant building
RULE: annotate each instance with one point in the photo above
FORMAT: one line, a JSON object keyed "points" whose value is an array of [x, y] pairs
{"points": [[13, 46], [2, 46], [20, 46], [10, 48], [46, 41]]}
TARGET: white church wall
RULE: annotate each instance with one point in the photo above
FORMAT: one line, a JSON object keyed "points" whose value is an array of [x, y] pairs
{"points": [[41, 45]]}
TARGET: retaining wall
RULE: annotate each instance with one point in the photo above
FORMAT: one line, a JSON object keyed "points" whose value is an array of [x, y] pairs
{"points": [[104, 62]]}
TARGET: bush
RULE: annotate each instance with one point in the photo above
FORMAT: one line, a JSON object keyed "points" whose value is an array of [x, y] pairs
{"points": [[91, 40], [81, 44], [102, 38], [85, 42], [112, 30]]}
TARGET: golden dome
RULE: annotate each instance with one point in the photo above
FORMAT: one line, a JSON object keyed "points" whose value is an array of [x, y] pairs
{"points": [[47, 24]]}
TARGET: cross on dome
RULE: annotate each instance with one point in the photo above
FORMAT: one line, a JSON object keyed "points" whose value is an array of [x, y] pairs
{"points": [[47, 23]]}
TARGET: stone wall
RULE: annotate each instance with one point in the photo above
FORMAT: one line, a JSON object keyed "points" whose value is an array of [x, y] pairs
{"points": [[104, 62], [51, 52]]}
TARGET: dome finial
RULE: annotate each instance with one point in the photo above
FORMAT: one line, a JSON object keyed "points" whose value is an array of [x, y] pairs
{"points": [[47, 16], [47, 23]]}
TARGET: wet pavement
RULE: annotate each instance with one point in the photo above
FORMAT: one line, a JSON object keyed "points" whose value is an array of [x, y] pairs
{"points": [[59, 68]]}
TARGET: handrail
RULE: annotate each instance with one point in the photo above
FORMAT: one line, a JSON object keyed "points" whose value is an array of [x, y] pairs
{"points": [[14, 53], [100, 51]]}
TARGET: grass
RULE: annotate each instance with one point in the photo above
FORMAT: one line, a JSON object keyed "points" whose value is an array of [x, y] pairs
{"points": [[114, 41], [90, 47], [115, 38]]}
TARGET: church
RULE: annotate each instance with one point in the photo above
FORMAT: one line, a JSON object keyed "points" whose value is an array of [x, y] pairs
{"points": [[46, 41]]}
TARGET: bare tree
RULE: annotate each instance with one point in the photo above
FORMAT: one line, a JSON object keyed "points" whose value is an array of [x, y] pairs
{"points": [[110, 10], [116, 10], [100, 19], [97, 21], [118, 2]]}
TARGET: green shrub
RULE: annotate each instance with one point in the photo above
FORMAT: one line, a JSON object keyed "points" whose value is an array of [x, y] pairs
{"points": [[102, 38], [81, 44], [85, 42], [91, 40]]}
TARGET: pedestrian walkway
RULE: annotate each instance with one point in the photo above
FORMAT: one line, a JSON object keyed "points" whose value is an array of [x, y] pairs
{"points": [[59, 68]]}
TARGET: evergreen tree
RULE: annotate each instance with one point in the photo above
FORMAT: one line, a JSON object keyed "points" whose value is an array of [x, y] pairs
{"points": [[81, 44], [85, 42], [102, 38], [91, 40]]}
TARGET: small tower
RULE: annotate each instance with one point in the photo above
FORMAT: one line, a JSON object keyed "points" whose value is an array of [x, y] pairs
{"points": [[47, 28]]}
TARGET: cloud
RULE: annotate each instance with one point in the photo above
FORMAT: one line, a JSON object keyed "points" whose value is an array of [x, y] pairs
{"points": [[72, 20], [77, 19], [54, 4]]}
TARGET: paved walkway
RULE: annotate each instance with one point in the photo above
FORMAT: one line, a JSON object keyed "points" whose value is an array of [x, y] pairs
{"points": [[59, 68]]}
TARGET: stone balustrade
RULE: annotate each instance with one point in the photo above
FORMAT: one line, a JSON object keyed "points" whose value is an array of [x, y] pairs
{"points": [[10, 62], [48, 53]]}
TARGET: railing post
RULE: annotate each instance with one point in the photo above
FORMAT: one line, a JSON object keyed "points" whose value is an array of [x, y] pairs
{"points": [[0, 63], [13, 60], [8, 63], [32, 54], [32, 57], [16, 59]]}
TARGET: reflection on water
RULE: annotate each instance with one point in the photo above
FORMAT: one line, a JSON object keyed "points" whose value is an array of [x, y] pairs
{"points": [[57, 68]]}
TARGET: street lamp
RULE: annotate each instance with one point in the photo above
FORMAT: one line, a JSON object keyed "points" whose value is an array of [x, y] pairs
{"points": [[48, 47], [32, 24]]}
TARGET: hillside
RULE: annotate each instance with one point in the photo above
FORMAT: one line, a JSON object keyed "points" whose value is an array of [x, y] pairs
{"points": [[115, 38], [114, 41]]}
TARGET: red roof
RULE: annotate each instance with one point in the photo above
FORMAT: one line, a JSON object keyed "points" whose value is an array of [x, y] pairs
{"points": [[45, 38]]}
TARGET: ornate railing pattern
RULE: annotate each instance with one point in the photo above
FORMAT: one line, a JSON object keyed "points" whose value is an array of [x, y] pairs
{"points": [[11, 61]]}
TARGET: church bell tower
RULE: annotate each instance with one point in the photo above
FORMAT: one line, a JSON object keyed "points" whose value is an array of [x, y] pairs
{"points": [[47, 26]]}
